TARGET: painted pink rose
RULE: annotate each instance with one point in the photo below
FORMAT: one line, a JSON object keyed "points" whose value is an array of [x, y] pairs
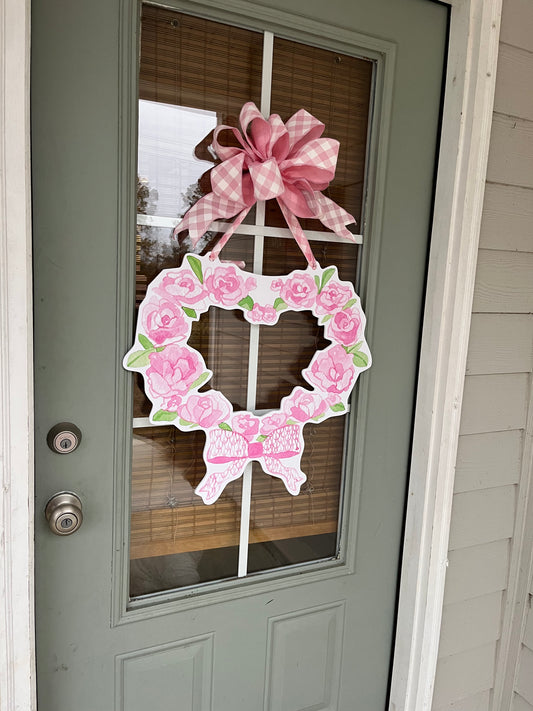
{"points": [[172, 404], [300, 291], [344, 327], [182, 286], [225, 286], [331, 370], [303, 405], [173, 371], [333, 297], [246, 424], [272, 422], [205, 410], [162, 320], [262, 314]]}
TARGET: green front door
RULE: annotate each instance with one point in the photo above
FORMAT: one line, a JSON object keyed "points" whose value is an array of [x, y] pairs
{"points": [[262, 601]]}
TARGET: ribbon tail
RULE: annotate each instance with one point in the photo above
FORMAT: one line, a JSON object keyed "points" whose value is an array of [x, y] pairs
{"points": [[203, 213], [292, 477], [214, 482], [225, 237], [298, 235], [333, 216]]}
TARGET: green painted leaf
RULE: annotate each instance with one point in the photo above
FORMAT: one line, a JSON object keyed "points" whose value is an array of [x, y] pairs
{"points": [[146, 343], [318, 417], [164, 416], [139, 359], [360, 360], [337, 407], [186, 423], [349, 303], [317, 282], [225, 426], [196, 266], [247, 303], [159, 349], [353, 349], [291, 422], [261, 438], [191, 313], [200, 381], [279, 304], [326, 276], [326, 318]]}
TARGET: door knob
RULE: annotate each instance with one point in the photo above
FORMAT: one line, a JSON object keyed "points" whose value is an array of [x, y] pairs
{"points": [[64, 513]]}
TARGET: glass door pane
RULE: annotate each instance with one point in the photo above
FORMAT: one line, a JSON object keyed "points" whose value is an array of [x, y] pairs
{"points": [[196, 74]]}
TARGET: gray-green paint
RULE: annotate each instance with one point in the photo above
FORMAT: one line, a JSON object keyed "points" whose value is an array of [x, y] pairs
{"points": [[83, 99]]}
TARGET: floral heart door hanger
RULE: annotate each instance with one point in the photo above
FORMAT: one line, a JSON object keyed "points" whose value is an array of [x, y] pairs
{"points": [[289, 162]]}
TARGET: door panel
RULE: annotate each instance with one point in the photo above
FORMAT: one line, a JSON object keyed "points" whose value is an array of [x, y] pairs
{"points": [[316, 637]]}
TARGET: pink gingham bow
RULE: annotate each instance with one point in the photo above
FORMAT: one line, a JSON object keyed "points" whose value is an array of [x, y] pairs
{"points": [[230, 452], [288, 162]]}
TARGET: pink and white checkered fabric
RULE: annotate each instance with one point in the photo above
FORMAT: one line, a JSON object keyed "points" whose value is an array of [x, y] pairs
{"points": [[289, 162]]}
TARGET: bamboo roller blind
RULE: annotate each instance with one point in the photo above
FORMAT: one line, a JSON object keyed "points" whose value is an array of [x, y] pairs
{"points": [[201, 64]]}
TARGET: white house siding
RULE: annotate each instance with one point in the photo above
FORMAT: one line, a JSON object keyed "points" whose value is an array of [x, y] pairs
{"points": [[492, 470]]}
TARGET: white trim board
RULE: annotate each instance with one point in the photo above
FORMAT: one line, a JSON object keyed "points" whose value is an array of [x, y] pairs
{"points": [[467, 116], [466, 126], [17, 667]]}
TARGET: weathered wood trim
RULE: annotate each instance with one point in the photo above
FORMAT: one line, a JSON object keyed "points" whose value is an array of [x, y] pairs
{"points": [[17, 670], [469, 98]]}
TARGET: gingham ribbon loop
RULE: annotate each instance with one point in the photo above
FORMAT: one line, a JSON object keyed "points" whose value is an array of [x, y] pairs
{"points": [[289, 162], [267, 179]]}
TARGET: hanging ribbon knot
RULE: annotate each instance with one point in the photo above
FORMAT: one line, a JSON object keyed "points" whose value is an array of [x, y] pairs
{"points": [[286, 161]]}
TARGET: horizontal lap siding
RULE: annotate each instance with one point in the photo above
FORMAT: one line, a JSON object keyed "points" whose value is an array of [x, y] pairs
{"points": [[496, 397], [478, 702], [507, 218], [464, 674], [504, 281], [511, 153], [488, 460], [524, 681], [520, 704], [500, 343]]}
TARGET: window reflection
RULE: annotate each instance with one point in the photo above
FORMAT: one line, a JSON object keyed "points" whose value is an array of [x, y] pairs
{"points": [[168, 163]]}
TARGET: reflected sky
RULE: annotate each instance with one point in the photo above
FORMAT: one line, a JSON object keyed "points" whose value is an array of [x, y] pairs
{"points": [[168, 135]]}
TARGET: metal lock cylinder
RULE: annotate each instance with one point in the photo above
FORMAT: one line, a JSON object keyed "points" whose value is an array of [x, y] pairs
{"points": [[64, 438], [64, 513]]}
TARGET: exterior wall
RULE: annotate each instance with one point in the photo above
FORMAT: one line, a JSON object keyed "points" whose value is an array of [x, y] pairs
{"points": [[493, 460], [523, 685]]}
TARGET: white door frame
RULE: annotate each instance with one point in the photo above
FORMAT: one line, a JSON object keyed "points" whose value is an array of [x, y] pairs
{"points": [[467, 116]]}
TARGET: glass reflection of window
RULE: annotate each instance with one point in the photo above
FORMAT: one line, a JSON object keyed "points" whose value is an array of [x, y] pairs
{"points": [[167, 163], [195, 74]]}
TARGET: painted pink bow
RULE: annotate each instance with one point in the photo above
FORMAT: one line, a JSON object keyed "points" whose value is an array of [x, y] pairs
{"points": [[229, 452], [288, 162]]}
